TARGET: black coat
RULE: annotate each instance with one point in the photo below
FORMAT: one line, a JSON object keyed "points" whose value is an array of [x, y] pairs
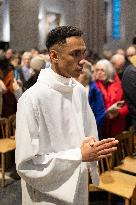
{"points": [[129, 87], [31, 81]]}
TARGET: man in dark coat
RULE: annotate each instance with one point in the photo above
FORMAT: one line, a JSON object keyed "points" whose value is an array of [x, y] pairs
{"points": [[129, 86]]}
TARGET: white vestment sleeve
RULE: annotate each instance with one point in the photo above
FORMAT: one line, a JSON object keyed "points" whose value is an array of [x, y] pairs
{"points": [[91, 130], [46, 172]]}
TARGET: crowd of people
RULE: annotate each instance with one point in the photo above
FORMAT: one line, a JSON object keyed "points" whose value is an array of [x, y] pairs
{"points": [[18, 72], [110, 86], [56, 134], [109, 82]]}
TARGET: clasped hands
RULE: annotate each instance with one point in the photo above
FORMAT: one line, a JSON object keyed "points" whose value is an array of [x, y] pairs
{"points": [[93, 150]]}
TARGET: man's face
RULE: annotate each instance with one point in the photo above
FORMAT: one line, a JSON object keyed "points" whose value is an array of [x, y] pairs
{"points": [[68, 58]]}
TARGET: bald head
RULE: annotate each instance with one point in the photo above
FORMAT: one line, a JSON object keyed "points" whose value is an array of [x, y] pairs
{"points": [[118, 61], [121, 51]]}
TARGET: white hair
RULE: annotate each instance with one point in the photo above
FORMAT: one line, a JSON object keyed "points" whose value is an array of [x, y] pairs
{"points": [[26, 55], [108, 68], [117, 57]]}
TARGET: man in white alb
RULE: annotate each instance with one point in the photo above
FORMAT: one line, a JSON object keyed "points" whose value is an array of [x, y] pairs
{"points": [[53, 119]]}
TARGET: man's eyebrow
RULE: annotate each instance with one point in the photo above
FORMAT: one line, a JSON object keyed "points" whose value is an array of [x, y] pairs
{"points": [[79, 50]]}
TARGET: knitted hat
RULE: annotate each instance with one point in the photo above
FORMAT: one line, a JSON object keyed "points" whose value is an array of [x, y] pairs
{"points": [[37, 63]]}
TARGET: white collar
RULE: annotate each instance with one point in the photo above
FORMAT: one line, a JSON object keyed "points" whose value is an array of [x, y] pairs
{"points": [[56, 81]]}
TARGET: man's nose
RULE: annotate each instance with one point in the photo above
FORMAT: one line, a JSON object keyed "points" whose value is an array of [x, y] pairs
{"points": [[98, 71], [81, 62]]}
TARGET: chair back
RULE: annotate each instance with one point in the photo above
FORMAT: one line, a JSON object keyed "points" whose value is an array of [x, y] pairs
{"points": [[4, 128], [105, 164], [12, 124], [124, 147], [133, 201]]}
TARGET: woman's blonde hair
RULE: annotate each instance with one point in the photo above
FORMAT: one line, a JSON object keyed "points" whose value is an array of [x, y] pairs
{"points": [[108, 68]]}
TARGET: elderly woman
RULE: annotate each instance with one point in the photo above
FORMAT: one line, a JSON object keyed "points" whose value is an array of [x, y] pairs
{"points": [[37, 63], [95, 97], [25, 67], [116, 109]]}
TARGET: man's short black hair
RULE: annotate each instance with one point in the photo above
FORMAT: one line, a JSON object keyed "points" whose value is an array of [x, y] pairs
{"points": [[59, 35]]}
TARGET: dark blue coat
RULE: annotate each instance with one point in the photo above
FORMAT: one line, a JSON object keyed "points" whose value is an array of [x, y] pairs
{"points": [[96, 102]]}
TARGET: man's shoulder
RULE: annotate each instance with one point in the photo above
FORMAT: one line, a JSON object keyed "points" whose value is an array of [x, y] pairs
{"points": [[80, 91], [129, 69], [129, 73], [35, 92], [79, 86]]}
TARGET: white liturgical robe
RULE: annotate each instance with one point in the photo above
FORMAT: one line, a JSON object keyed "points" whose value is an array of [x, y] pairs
{"points": [[53, 118]]}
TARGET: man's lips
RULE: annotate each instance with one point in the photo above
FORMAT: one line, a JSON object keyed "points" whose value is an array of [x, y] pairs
{"points": [[79, 69]]}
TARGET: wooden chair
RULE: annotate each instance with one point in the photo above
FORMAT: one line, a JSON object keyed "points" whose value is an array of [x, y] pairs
{"points": [[6, 144], [114, 182], [12, 124], [133, 201], [123, 159], [4, 129]]}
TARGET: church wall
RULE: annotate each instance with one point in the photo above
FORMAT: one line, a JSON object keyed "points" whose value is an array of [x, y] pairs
{"points": [[128, 25], [24, 24], [28, 28], [1, 28]]}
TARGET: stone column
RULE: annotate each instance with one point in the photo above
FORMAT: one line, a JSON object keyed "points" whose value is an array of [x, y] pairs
{"points": [[24, 24], [1, 26], [82, 18], [4, 21], [89, 17], [128, 25], [128, 21], [96, 25]]}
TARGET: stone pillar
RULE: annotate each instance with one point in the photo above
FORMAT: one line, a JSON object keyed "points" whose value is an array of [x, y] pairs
{"points": [[24, 24], [128, 25], [4, 21], [28, 31], [96, 25], [128, 20], [89, 17], [1, 27], [81, 17]]}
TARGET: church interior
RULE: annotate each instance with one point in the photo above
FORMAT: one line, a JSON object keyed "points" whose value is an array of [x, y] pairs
{"points": [[109, 33]]}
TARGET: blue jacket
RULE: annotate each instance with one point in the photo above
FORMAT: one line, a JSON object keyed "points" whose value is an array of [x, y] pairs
{"points": [[96, 102]]}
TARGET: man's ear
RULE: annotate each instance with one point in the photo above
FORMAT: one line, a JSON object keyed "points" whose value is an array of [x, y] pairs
{"points": [[53, 56]]}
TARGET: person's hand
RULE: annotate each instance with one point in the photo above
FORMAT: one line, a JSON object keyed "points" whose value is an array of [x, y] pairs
{"points": [[113, 114], [85, 147], [15, 85], [19, 82], [3, 88], [93, 150]]}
